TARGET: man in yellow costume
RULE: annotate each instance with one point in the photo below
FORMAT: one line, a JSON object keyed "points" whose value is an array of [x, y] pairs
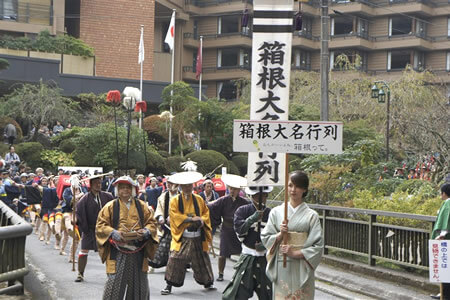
{"points": [[126, 238], [190, 227]]}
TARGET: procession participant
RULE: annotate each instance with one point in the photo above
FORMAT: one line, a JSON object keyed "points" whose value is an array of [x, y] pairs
{"points": [[250, 275], [87, 210], [141, 184], [303, 249], [209, 194], [162, 217], [126, 238], [49, 202], [68, 226], [152, 193], [107, 183], [190, 227], [34, 199], [222, 212], [441, 230]]}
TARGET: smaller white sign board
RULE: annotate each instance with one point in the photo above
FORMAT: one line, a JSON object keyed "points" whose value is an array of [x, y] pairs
{"points": [[82, 169], [438, 253], [309, 137]]}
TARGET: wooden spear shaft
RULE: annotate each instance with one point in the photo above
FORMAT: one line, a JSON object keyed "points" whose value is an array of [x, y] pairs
{"points": [[74, 229], [286, 199]]}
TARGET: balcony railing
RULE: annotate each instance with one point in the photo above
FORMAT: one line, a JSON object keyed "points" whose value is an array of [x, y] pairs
{"points": [[363, 35], [189, 35], [26, 12], [389, 2], [410, 35], [217, 69], [206, 3], [13, 233]]}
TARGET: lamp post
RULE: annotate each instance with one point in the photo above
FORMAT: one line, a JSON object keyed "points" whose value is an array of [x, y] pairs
{"points": [[381, 95]]}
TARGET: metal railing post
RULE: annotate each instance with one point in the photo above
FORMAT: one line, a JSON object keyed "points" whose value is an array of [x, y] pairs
{"points": [[371, 240], [324, 226]]}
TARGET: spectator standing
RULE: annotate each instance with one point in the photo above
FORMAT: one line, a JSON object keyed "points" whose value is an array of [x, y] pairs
{"points": [[12, 159], [10, 133], [58, 128]]}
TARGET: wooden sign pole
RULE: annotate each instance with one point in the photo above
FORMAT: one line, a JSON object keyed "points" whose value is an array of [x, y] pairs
{"points": [[286, 199]]}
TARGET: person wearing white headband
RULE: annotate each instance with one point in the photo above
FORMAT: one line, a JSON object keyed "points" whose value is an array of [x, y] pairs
{"points": [[126, 244]]}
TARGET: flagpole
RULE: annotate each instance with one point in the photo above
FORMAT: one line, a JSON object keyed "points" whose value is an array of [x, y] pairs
{"points": [[200, 87], [171, 82], [140, 86]]}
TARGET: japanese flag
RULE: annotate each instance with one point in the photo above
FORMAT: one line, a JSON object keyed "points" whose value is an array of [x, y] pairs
{"points": [[170, 36]]}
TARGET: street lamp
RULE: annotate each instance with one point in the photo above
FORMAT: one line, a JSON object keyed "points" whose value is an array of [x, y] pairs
{"points": [[381, 95]]}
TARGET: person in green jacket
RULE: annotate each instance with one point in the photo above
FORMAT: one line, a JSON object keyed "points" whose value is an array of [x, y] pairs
{"points": [[441, 230]]}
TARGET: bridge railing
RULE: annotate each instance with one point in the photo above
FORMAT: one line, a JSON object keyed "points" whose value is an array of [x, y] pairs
{"points": [[13, 233], [370, 234]]}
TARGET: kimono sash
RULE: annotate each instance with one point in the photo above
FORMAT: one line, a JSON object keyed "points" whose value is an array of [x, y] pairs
{"points": [[196, 208]]}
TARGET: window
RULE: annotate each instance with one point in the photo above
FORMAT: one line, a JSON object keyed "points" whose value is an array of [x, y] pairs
{"points": [[306, 28], [363, 28], [354, 59], [421, 28], [341, 25], [448, 27], [419, 61], [301, 59], [448, 62], [398, 60], [165, 47], [228, 24], [8, 10], [227, 58], [400, 26], [195, 29], [232, 57], [226, 90]]}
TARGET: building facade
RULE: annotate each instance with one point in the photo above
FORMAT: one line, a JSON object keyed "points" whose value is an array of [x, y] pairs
{"points": [[382, 36]]}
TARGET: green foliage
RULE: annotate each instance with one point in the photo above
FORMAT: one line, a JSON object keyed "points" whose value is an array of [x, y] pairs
{"points": [[232, 169], [355, 131], [4, 64], [207, 160], [67, 146], [155, 162], [51, 159], [96, 147], [241, 163], [40, 104], [417, 186], [173, 163], [4, 148], [45, 42], [30, 153]]}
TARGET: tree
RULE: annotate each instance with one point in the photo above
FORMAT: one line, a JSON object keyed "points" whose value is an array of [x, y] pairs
{"points": [[40, 104], [180, 96]]}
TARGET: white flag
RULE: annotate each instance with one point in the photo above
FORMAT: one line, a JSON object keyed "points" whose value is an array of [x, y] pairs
{"points": [[141, 48], [170, 36]]}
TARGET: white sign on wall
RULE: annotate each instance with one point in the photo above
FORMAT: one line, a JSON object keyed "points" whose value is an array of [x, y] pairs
{"points": [[438, 251], [312, 137], [271, 67]]}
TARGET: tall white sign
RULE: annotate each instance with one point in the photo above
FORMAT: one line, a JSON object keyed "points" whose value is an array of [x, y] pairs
{"points": [[271, 68]]}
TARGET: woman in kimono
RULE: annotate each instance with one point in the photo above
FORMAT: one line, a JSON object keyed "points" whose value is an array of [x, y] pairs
{"points": [[303, 249]]}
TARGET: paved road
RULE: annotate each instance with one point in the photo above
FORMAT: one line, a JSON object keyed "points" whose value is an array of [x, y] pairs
{"points": [[56, 274]]}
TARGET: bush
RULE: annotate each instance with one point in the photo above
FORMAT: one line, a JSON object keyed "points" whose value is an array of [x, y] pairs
{"points": [[207, 160], [7, 120], [45, 42], [30, 153], [51, 159], [173, 164], [67, 146], [414, 186], [232, 169], [241, 162], [155, 163]]}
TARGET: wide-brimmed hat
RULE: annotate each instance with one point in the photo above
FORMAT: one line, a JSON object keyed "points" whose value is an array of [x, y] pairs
{"points": [[140, 176], [188, 177], [253, 190], [234, 181], [169, 178], [23, 175], [124, 179], [93, 177]]}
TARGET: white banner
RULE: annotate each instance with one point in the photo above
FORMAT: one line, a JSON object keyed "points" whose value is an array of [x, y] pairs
{"points": [[438, 260], [309, 137], [271, 68]]}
